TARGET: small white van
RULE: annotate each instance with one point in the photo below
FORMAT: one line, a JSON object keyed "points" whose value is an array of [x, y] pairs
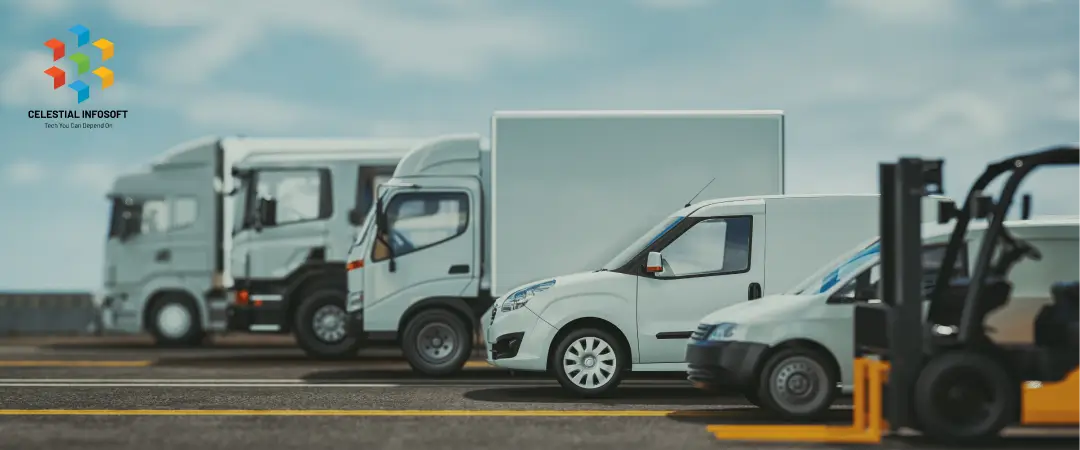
{"points": [[793, 353], [638, 310]]}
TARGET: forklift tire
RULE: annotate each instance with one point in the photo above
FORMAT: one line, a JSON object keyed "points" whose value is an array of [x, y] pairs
{"points": [[437, 342], [797, 384], [964, 397], [319, 325], [174, 321]]}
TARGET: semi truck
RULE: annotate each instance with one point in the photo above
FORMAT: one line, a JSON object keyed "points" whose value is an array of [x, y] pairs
{"points": [[465, 218], [167, 250]]}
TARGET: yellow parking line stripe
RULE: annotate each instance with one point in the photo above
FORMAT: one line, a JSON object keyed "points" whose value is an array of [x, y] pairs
{"points": [[62, 363], [357, 413]]}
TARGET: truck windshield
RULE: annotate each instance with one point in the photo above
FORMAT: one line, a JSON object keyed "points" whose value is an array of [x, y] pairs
{"points": [[642, 242]]}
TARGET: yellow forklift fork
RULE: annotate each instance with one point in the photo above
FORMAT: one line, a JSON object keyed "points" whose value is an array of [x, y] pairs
{"points": [[867, 425]]}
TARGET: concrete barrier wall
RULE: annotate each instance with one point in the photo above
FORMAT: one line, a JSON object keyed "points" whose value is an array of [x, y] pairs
{"points": [[47, 313]]}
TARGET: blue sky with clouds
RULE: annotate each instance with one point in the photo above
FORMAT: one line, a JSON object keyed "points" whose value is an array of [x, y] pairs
{"points": [[861, 81]]}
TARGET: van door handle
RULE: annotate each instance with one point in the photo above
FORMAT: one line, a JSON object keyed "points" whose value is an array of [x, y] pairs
{"points": [[753, 292], [163, 255], [459, 268]]}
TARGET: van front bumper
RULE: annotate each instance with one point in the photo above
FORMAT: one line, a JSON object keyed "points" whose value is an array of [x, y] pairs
{"points": [[723, 365]]}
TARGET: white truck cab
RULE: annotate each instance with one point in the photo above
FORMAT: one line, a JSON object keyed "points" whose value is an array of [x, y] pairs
{"points": [[793, 353], [637, 311]]}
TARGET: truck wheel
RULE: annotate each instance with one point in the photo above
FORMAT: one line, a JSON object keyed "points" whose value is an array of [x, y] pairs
{"points": [[436, 342], [797, 384], [964, 396], [319, 325], [589, 362], [174, 321]]}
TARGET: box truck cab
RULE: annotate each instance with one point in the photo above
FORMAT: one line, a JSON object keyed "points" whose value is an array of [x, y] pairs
{"points": [[296, 212], [465, 218], [793, 353], [638, 310]]}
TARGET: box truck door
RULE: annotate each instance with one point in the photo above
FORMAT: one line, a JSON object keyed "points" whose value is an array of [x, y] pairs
{"points": [[713, 263], [432, 235]]}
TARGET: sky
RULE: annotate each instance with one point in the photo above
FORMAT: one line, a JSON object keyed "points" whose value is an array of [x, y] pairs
{"points": [[861, 81]]}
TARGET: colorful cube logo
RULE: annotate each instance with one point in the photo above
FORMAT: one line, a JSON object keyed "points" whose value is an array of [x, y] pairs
{"points": [[81, 61]]}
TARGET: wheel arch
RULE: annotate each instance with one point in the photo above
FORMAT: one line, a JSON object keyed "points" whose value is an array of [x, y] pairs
{"points": [[456, 305], [306, 278], [799, 344], [160, 295], [590, 322]]}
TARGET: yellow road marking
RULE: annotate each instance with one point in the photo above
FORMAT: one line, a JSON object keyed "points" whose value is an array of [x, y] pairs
{"points": [[61, 363], [358, 413]]}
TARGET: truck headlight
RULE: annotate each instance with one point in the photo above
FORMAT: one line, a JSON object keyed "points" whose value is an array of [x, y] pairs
{"points": [[721, 332], [520, 297], [354, 301]]}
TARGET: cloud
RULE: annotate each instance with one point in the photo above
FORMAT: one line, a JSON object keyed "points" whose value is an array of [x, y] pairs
{"points": [[252, 112], [24, 172], [25, 84], [45, 8], [95, 177], [1025, 4], [462, 42], [673, 4], [901, 11]]}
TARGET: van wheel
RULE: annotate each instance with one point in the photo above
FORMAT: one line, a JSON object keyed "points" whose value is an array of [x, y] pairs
{"points": [[436, 342], [174, 321], [964, 396], [319, 326], [589, 362], [797, 384]]}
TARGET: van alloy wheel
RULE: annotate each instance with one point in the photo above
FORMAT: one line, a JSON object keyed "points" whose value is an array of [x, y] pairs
{"points": [[590, 362]]}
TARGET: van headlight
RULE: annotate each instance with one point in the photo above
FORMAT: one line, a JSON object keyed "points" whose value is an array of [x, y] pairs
{"points": [[520, 297], [722, 332]]}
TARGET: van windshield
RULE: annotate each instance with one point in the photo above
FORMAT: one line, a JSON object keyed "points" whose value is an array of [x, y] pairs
{"points": [[642, 242], [839, 271]]}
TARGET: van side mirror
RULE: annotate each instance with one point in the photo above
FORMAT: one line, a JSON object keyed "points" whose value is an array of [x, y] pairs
{"points": [[356, 217], [654, 263], [946, 211]]}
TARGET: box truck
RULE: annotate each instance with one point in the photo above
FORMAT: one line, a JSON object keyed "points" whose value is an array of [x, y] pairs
{"points": [[167, 251], [791, 353], [464, 219], [636, 313]]}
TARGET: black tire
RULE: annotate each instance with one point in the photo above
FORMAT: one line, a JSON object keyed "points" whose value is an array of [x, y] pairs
{"points": [[797, 384], [331, 343], [161, 321], [752, 397], [611, 346], [964, 397], [437, 342]]}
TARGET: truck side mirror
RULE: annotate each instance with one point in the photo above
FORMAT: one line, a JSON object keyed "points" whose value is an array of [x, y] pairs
{"points": [[654, 263], [267, 213]]}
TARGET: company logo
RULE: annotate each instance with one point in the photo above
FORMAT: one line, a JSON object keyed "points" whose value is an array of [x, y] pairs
{"points": [[81, 63]]}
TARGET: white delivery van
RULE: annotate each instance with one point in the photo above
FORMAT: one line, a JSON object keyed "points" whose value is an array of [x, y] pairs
{"points": [[793, 353], [638, 310], [460, 223]]}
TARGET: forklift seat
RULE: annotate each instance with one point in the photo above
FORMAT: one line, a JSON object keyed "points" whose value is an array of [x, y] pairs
{"points": [[950, 308], [1057, 324]]}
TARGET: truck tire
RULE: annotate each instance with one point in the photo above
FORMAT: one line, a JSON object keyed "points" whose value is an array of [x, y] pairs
{"points": [[436, 342], [964, 397], [590, 362], [174, 321], [319, 325], [797, 384]]}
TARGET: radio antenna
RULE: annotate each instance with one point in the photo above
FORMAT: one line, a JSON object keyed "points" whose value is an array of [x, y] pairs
{"points": [[699, 193]]}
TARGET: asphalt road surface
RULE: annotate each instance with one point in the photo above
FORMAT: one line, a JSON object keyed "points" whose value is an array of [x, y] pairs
{"points": [[124, 394]]}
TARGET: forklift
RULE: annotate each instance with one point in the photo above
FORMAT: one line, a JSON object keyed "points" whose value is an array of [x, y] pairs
{"points": [[933, 369]]}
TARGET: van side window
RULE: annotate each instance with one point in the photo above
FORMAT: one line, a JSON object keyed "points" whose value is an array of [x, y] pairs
{"points": [[710, 247], [419, 221]]}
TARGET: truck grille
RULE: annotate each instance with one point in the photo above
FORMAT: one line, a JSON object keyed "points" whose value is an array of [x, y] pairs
{"points": [[701, 331]]}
